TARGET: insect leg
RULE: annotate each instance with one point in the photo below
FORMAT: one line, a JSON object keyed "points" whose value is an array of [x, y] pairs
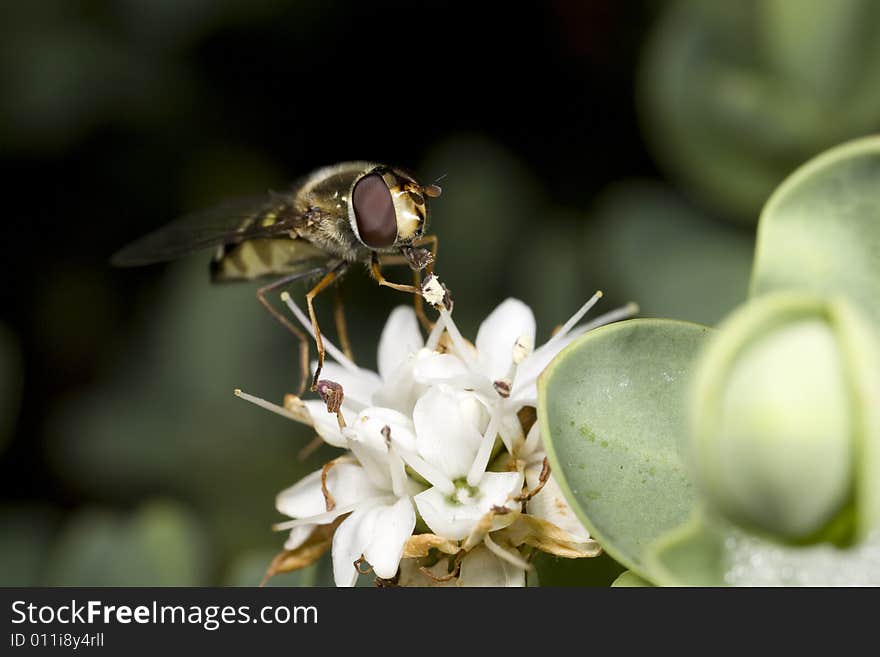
{"points": [[434, 241], [376, 271], [392, 260], [298, 334], [328, 279], [341, 325]]}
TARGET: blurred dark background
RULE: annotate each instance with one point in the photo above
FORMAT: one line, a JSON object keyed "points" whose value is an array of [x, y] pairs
{"points": [[569, 134]]}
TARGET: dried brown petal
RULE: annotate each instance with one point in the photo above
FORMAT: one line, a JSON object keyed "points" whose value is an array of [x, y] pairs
{"points": [[314, 547], [421, 544], [547, 537]]}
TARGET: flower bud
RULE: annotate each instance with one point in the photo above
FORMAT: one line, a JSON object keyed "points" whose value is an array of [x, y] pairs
{"points": [[786, 420]]}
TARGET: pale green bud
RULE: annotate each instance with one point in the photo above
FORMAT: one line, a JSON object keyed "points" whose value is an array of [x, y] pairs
{"points": [[785, 416]]}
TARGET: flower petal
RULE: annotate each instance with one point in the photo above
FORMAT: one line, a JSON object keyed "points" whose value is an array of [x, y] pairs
{"points": [[392, 528], [374, 419], [348, 483], [550, 505], [303, 499], [498, 333], [456, 520], [325, 423], [411, 575], [298, 536], [446, 518], [401, 337], [349, 541], [358, 387], [482, 568], [400, 390], [497, 488], [366, 439], [432, 367], [446, 436]]}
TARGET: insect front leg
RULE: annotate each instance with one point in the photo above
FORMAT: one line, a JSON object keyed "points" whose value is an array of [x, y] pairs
{"points": [[434, 241], [376, 272]]}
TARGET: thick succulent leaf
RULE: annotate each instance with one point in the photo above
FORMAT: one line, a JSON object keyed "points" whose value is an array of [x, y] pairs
{"points": [[733, 95], [162, 544], [690, 555], [629, 579], [24, 542], [648, 244], [708, 551], [611, 408], [820, 231]]}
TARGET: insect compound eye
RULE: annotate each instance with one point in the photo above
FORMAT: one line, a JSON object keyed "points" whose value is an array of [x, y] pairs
{"points": [[374, 211]]}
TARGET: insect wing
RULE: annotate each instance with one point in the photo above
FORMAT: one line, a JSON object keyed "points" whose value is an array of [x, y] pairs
{"points": [[231, 222]]}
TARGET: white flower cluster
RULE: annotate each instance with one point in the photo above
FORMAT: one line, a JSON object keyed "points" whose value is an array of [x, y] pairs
{"points": [[444, 480]]}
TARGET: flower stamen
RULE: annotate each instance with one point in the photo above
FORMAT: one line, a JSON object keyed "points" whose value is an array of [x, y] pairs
{"points": [[329, 502], [542, 480], [427, 472], [329, 347], [574, 319], [358, 566], [460, 345], [475, 474], [623, 312], [332, 395], [302, 417], [396, 466], [503, 554], [433, 340]]}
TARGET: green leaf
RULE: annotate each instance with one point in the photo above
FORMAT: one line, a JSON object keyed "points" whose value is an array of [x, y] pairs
{"points": [[690, 555], [734, 95], [785, 421], [820, 231], [159, 545], [653, 247], [708, 551], [629, 579], [25, 542], [611, 408]]}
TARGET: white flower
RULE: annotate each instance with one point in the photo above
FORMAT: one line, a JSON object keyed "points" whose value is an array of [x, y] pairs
{"points": [[437, 430], [503, 369], [447, 439], [374, 489]]}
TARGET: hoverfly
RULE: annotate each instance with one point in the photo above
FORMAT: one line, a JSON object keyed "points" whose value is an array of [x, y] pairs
{"points": [[353, 212]]}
